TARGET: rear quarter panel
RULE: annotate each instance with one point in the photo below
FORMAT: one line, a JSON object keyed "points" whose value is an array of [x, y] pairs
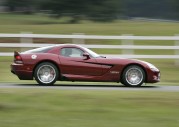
{"points": [[31, 60]]}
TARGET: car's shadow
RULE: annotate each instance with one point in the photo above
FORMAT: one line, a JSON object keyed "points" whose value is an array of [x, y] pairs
{"points": [[81, 85]]}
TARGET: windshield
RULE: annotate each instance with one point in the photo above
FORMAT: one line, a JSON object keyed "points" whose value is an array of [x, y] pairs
{"points": [[93, 54]]}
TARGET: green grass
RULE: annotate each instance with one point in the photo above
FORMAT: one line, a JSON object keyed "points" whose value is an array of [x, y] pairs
{"points": [[85, 108], [71, 108], [13, 23]]}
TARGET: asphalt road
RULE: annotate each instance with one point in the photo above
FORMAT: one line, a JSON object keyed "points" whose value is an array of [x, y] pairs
{"points": [[90, 87]]}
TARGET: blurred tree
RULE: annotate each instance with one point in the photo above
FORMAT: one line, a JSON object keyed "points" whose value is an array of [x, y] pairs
{"points": [[148, 8], [25, 6], [103, 10], [59, 8], [100, 10], [175, 5]]}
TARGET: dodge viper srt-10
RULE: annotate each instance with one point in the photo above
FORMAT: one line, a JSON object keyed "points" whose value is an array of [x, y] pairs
{"points": [[69, 62]]}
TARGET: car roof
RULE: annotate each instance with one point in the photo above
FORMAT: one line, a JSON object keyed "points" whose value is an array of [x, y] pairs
{"points": [[67, 45]]}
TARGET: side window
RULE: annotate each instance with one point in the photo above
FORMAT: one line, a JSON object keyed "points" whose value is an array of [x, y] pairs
{"points": [[71, 52]]}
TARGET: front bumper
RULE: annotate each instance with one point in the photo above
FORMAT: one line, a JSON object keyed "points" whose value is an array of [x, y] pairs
{"points": [[153, 76], [23, 72]]}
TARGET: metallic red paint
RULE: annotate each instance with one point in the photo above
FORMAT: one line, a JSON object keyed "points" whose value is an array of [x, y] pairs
{"points": [[79, 68]]}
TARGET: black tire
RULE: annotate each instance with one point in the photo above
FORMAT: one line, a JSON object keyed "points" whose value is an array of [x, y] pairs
{"points": [[46, 71], [138, 76]]}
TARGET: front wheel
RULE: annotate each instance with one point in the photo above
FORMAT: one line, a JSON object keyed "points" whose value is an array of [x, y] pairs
{"points": [[46, 73], [133, 76]]}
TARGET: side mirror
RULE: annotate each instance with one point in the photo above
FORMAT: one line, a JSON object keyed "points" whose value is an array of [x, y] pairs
{"points": [[86, 56]]}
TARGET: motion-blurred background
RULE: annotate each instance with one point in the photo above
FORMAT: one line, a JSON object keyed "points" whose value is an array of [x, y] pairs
{"points": [[96, 10], [45, 106]]}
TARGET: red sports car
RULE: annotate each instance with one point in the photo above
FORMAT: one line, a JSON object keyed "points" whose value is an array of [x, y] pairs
{"points": [[68, 62]]}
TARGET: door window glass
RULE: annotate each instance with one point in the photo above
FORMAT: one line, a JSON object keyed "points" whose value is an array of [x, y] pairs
{"points": [[71, 52]]}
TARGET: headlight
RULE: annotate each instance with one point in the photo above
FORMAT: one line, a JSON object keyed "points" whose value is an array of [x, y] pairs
{"points": [[152, 67]]}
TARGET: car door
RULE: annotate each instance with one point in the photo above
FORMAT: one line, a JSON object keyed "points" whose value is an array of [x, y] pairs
{"points": [[73, 62]]}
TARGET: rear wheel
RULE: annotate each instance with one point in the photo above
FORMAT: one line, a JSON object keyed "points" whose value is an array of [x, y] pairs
{"points": [[46, 73], [133, 76]]}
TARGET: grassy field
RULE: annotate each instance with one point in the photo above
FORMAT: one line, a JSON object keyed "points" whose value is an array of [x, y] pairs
{"points": [[13, 23], [40, 107], [79, 108]]}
